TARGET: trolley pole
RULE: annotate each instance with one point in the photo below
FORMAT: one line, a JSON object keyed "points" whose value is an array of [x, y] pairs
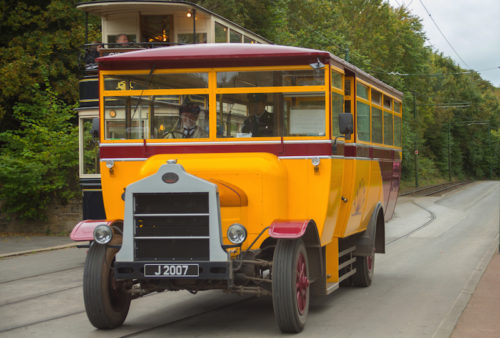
{"points": [[194, 26]]}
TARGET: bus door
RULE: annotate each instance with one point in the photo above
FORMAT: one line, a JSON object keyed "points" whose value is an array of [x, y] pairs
{"points": [[349, 179]]}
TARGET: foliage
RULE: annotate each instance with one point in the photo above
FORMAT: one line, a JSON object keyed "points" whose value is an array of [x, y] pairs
{"points": [[38, 161], [38, 38], [40, 51]]}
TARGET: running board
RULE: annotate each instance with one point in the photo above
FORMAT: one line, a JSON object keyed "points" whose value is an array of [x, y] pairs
{"points": [[347, 275], [330, 287]]}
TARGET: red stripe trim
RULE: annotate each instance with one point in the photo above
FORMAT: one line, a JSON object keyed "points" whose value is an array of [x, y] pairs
{"points": [[278, 149]]}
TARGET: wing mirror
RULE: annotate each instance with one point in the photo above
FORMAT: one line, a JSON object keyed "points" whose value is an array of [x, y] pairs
{"points": [[346, 125]]}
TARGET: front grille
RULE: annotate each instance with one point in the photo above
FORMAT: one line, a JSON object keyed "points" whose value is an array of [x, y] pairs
{"points": [[171, 203], [172, 249], [171, 226]]}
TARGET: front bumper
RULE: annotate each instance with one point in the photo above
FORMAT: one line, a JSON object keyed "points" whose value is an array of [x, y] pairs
{"points": [[207, 270]]}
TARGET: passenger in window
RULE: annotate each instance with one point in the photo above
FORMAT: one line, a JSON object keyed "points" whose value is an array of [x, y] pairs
{"points": [[259, 122], [187, 126], [122, 40]]}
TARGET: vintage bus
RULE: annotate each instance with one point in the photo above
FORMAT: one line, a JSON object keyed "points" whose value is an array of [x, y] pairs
{"points": [[146, 24], [282, 190]]}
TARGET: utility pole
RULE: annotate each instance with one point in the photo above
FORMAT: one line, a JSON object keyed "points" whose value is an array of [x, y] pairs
{"points": [[449, 153], [416, 137]]}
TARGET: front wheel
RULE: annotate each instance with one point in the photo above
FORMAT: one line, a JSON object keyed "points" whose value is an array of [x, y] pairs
{"points": [[290, 285], [106, 300]]}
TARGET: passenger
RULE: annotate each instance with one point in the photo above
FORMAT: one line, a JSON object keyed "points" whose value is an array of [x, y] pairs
{"points": [[92, 52], [122, 40], [259, 122], [188, 127]]}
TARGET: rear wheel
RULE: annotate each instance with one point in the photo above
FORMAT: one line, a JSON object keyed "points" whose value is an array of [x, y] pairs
{"points": [[290, 285], [365, 266], [106, 300]]}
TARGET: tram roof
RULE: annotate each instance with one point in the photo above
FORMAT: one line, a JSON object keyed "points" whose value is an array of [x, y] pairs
{"points": [[231, 55]]}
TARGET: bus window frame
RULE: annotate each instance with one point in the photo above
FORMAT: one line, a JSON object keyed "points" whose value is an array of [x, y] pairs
{"points": [[382, 108], [341, 92], [212, 91]]}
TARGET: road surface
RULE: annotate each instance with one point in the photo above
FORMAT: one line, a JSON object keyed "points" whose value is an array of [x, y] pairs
{"points": [[437, 249]]}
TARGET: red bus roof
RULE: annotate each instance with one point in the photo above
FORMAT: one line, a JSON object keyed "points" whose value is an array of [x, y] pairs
{"points": [[213, 55], [230, 55]]}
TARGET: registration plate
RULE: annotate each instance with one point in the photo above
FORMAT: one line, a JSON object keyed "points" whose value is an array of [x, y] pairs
{"points": [[171, 270]]}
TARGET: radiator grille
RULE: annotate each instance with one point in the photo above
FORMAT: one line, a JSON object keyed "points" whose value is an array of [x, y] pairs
{"points": [[171, 226]]}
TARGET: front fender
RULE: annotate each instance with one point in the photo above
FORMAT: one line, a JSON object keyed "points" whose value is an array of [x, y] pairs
{"points": [[288, 228], [84, 230]]}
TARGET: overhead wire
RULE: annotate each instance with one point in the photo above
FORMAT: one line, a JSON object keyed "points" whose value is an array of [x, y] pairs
{"points": [[446, 39]]}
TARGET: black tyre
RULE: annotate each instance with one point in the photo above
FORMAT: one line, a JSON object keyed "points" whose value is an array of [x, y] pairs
{"points": [[290, 285], [106, 301], [365, 266]]}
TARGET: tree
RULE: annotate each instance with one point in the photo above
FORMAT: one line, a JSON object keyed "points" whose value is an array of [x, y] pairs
{"points": [[38, 162]]}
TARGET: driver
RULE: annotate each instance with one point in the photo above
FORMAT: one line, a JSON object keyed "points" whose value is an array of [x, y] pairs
{"points": [[188, 128]]}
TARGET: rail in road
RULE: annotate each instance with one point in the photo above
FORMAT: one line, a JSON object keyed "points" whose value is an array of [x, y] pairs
{"points": [[435, 189], [41, 294]]}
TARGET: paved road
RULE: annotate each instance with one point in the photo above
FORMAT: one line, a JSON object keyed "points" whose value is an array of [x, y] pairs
{"points": [[437, 246]]}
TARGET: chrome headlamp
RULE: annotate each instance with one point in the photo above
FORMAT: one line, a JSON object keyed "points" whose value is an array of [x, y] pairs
{"points": [[103, 234], [236, 233]]}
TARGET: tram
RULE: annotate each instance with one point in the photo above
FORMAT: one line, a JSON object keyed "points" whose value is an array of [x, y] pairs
{"points": [[144, 25], [254, 169]]}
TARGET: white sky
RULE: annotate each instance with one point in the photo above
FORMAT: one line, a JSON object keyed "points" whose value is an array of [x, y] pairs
{"points": [[471, 26]]}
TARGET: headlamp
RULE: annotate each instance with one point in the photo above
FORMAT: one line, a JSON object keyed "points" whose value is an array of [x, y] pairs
{"points": [[103, 234], [236, 233]]}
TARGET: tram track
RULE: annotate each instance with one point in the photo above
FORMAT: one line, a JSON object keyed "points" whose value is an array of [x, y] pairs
{"points": [[40, 275], [49, 293], [435, 189], [427, 191], [432, 219], [194, 315]]}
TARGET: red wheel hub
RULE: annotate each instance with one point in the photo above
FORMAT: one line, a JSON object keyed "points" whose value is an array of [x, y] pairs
{"points": [[301, 284]]}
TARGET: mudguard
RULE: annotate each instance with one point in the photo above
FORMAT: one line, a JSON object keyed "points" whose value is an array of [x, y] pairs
{"points": [[288, 228], [84, 230], [373, 239]]}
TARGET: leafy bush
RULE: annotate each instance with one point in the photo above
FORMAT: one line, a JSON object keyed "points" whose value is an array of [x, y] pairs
{"points": [[39, 161]]}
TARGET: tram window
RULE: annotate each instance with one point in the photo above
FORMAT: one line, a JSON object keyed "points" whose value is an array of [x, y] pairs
{"points": [[90, 149], [187, 38], [388, 128], [363, 121], [362, 91], [156, 28], [387, 102], [336, 80], [270, 78], [337, 108], [376, 97], [397, 107], [220, 33], [246, 39], [397, 131], [234, 37], [376, 125], [155, 81], [112, 40]]}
